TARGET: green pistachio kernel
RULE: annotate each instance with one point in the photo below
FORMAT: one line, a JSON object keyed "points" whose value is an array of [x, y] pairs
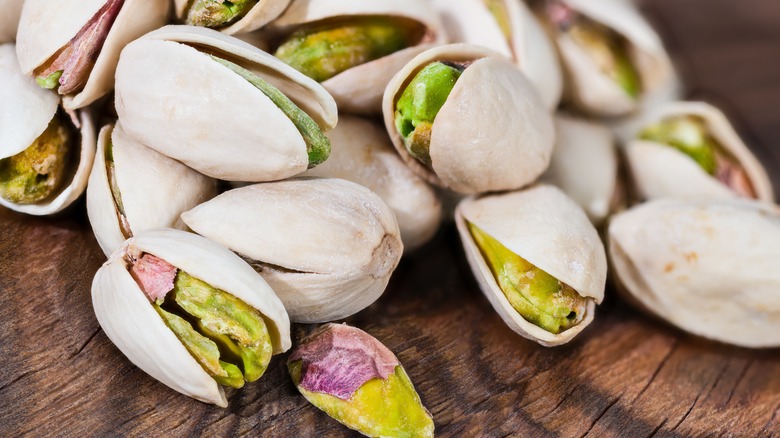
{"points": [[323, 52], [35, 174], [536, 295], [497, 9], [419, 104], [689, 135], [389, 407], [317, 144], [215, 13], [51, 81]]}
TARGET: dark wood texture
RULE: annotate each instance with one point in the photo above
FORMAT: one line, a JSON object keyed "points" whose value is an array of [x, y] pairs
{"points": [[627, 375]]}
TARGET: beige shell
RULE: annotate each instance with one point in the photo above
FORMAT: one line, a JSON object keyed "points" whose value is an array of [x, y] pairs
{"points": [[359, 90], [707, 267], [155, 189], [261, 14], [362, 153], [130, 321], [585, 166], [493, 133], [546, 228], [172, 97], [48, 25], [661, 171], [9, 19], [27, 111], [470, 21], [326, 246]]}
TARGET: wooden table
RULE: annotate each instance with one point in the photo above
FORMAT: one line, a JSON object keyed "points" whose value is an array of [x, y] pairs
{"points": [[627, 375]]}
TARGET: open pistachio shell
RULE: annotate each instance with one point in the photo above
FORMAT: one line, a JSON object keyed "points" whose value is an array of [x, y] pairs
{"points": [[362, 153], [358, 90], [585, 166], [661, 171], [473, 22], [46, 27], [174, 97], [263, 12], [708, 267], [548, 230], [152, 189], [131, 322], [492, 132], [9, 19], [326, 246]]}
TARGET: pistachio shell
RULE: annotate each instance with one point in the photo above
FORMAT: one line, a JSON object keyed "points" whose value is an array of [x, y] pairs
{"points": [[130, 321], [261, 14], [493, 133], [256, 140], [9, 19], [546, 228], [660, 171], [154, 189], [326, 246], [708, 267], [362, 153], [46, 26]]}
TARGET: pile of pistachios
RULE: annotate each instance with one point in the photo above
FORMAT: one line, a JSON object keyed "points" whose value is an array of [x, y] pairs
{"points": [[267, 162]]}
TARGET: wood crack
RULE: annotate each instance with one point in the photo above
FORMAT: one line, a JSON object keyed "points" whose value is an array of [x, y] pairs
{"points": [[84, 345], [601, 415], [21, 376], [657, 429], [739, 380], [687, 413], [563, 399], [658, 369]]}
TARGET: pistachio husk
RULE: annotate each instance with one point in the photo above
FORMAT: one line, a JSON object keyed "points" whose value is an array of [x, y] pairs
{"points": [[260, 14], [9, 19]]}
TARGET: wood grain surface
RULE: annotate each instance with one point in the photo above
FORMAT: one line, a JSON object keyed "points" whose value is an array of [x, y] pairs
{"points": [[628, 375]]}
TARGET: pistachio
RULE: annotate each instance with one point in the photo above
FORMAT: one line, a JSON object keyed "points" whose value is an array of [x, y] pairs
{"points": [[689, 135], [498, 9], [357, 381], [217, 13], [116, 195]]}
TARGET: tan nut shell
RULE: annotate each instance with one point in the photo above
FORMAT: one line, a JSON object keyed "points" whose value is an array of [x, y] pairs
{"points": [[546, 228], [9, 19], [660, 171], [326, 246], [155, 189], [48, 25], [469, 21], [362, 153], [129, 320], [493, 133], [177, 100], [707, 267], [359, 90], [261, 14]]}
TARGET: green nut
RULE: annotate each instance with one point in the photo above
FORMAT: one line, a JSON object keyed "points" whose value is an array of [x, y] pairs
{"points": [[419, 105], [214, 13], [497, 9], [689, 135], [536, 295], [324, 52], [51, 81], [38, 172]]}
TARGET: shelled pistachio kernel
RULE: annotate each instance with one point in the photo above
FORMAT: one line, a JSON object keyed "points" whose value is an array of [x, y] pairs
{"points": [[217, 13], [689, 135]]}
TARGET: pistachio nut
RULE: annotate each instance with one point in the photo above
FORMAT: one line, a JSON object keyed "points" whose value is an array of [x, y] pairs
{"points": [[326, 246], [73, 46], [359, 382], [132, 188], [46, 153], [9, 19], [230, 17], [707, 266], [538, 260], [354, 48], [689, 149], [466, 119], [265, 118], [612, 57], [509, 28], [362, 153], [189, 312], [585, 166]]}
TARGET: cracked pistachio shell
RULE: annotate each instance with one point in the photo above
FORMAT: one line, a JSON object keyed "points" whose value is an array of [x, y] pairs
{"points": [[46, 26], [585, 166], [546, 228], [27, 111], [362, 153], [9, 19], [479, 142], [261, 14], [470, 21], [659, 171], [326, 246], [154, 189], [358, 90], [130, 321], [173, 97], [708, 267]]}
